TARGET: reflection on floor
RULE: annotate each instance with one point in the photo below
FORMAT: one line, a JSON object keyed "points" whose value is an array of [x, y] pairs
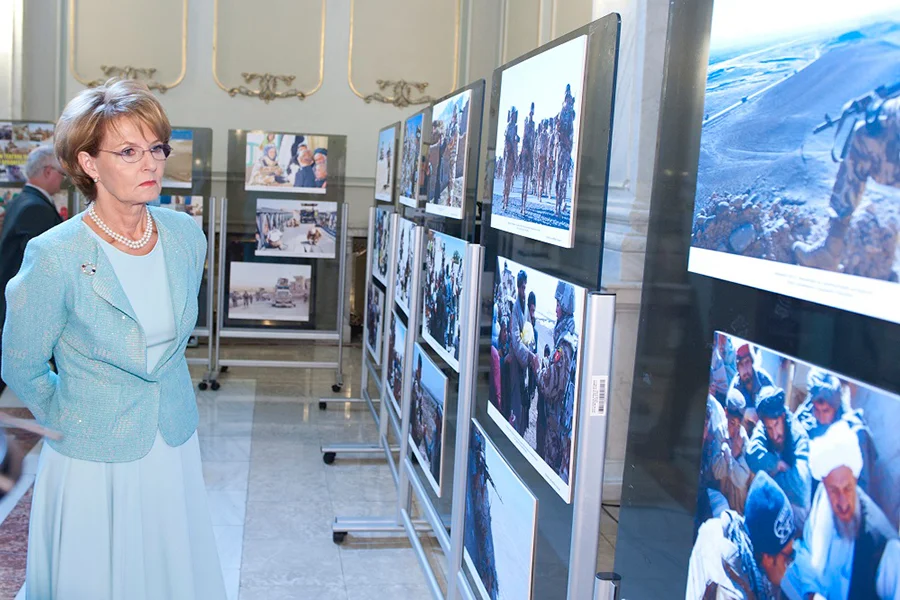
{"points": [[273, 499]]}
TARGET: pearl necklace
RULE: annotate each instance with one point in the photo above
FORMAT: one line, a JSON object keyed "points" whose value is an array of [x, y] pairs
{"points": [[134, 245]]}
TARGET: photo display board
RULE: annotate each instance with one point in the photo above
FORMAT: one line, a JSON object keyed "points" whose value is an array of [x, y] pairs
{"points": [[188, 169], [396, 354], [374, 320], [386, 164], [285, 203], [444, 174], [797, 188], [445, 267], [411, 159], [427, 425], [17, 140]]}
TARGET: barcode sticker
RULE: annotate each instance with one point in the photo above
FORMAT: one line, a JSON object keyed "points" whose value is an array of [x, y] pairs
{"points": [[599, 387]]}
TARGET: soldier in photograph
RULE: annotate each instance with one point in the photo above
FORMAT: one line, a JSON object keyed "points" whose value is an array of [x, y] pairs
{"points": [[779, 446], [543, 149], [526, 156], [479, 537], [552, 149], [750, 379], [452, 152], [520, 357], [510, 151], [565, 129]]}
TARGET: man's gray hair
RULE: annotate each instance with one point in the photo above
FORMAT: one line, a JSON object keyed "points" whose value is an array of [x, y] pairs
{"points": [[40, 157]]}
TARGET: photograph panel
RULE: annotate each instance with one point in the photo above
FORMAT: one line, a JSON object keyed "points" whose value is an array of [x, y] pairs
{"points": [[296, 228], [442, 288], [444, 176], [427, 418], [395, 361], [536, 332], [384, 165], [500, 523], [286, 162], [796, 461], [269, 291], [411, 160], [17, 140], [191, 205], [406, 262], [538, 132], [374, 320], [381, 245], [798, 191], [180, 164]]}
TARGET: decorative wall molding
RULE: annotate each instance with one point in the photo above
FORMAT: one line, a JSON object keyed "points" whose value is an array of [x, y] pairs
{"points": [[268, 82], [129, 72], [401, 95]]}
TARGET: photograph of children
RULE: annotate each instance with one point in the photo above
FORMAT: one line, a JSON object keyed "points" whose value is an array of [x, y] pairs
{"points": [[500, 523], [269, 291], [537, 145], [381, 245], [17, 140], [374, 321], [536, 333], [180, 164], [384, 166], [798, 183], [405, 264], [443, 278], [295, 228], [286, 162], [396, 352], [799, 488], [411, 160], [444, 177], [192, 205], [426, 430]]}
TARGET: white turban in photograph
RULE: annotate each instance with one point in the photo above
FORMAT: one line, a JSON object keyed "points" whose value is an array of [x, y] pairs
{"points": [[837, 447]]}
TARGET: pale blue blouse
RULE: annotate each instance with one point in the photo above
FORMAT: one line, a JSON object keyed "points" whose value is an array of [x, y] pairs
{"points": [[145, 282]]}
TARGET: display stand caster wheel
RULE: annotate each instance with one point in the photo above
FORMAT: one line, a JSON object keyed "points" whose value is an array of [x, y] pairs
{"points": [[214, 386], [203, 385], [338, 537], [328, 457], [224, 369], [336, 388], [323, 405]]}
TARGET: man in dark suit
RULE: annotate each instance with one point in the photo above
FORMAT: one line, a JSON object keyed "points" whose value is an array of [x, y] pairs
{"points": [[30, 214]]}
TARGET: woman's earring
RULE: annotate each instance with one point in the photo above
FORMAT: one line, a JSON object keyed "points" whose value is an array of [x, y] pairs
{"points": [[96, 180]]}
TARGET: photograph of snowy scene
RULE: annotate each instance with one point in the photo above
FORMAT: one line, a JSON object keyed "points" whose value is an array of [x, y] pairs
{"points": [[444, 178], [426, 424], [537, 145], [295, 228], [798, 185]]}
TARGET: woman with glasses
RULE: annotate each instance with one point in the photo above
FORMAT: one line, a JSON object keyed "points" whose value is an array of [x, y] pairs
{"points": [[119, 507]]}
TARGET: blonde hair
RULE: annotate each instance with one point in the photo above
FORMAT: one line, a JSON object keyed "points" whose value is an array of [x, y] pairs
{"points": [[89, 115]]}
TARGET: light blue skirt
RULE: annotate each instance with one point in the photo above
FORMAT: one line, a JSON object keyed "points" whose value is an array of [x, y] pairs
{"points": [[137, 530]]}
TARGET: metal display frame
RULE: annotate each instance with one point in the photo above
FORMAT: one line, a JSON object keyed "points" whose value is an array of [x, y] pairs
{"points": [[207, 330], [260, 333]]}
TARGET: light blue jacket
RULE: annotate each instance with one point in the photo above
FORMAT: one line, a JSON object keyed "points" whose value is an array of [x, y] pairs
{"points": [[66, 302]]}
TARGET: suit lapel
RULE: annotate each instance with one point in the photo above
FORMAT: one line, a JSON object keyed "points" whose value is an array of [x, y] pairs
{"points": [[105, 282]]}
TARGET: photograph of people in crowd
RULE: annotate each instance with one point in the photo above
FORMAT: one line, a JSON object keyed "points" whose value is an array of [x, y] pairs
{"points": [[426, 429], [374, 320], [404, 261], [801, 499], [535, 350], [395, 360], [381, 245], [443, 279], [286, 162]]}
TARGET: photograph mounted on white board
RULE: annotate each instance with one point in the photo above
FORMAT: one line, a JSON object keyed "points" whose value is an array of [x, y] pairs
{"points": [[17, 140], [538, 132], [295, 228], [286, 162], [190, 205], [395, 360], [536, 334], [374, 321], [180, 164], [442, 287], [426, 424], [444, 176], [381, 245], [384, 165], [269, 291], [411, 160], [405, 264], [500, 523]]}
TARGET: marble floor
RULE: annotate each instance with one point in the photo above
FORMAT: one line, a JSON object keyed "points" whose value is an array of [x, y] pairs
{"points": [[273, 499]]}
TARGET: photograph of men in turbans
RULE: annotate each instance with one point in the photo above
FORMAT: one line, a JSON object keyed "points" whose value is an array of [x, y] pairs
{"points": [[805, 502], [426, 429], [444, 178], [384, 164], [537, 145], [374, 320], [444, 270], [411, 160], [535, 357], [381, 245], [798, 182], [395, 361], [286, 162], [500, 523]]}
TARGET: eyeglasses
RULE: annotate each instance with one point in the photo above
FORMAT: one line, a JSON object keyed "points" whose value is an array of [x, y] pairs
{"points": [[132, 154]]}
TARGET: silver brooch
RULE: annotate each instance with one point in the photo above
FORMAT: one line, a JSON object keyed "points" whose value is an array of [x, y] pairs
{"points": [[88, 269]]}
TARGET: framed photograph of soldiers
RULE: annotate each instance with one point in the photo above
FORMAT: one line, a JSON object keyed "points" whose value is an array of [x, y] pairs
{"points": [[443, 277], [798, 189], [405, 264], [411, 160], [426, 430], [17, 140], [180, 164], [191, 205], [538, 131], [500, 523], [444, 176], [381, 245], [295, 228], [374, 321], [286, 162], [385, 164], [396, 352], [269, 291], [536, 332], [796, 461]]}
